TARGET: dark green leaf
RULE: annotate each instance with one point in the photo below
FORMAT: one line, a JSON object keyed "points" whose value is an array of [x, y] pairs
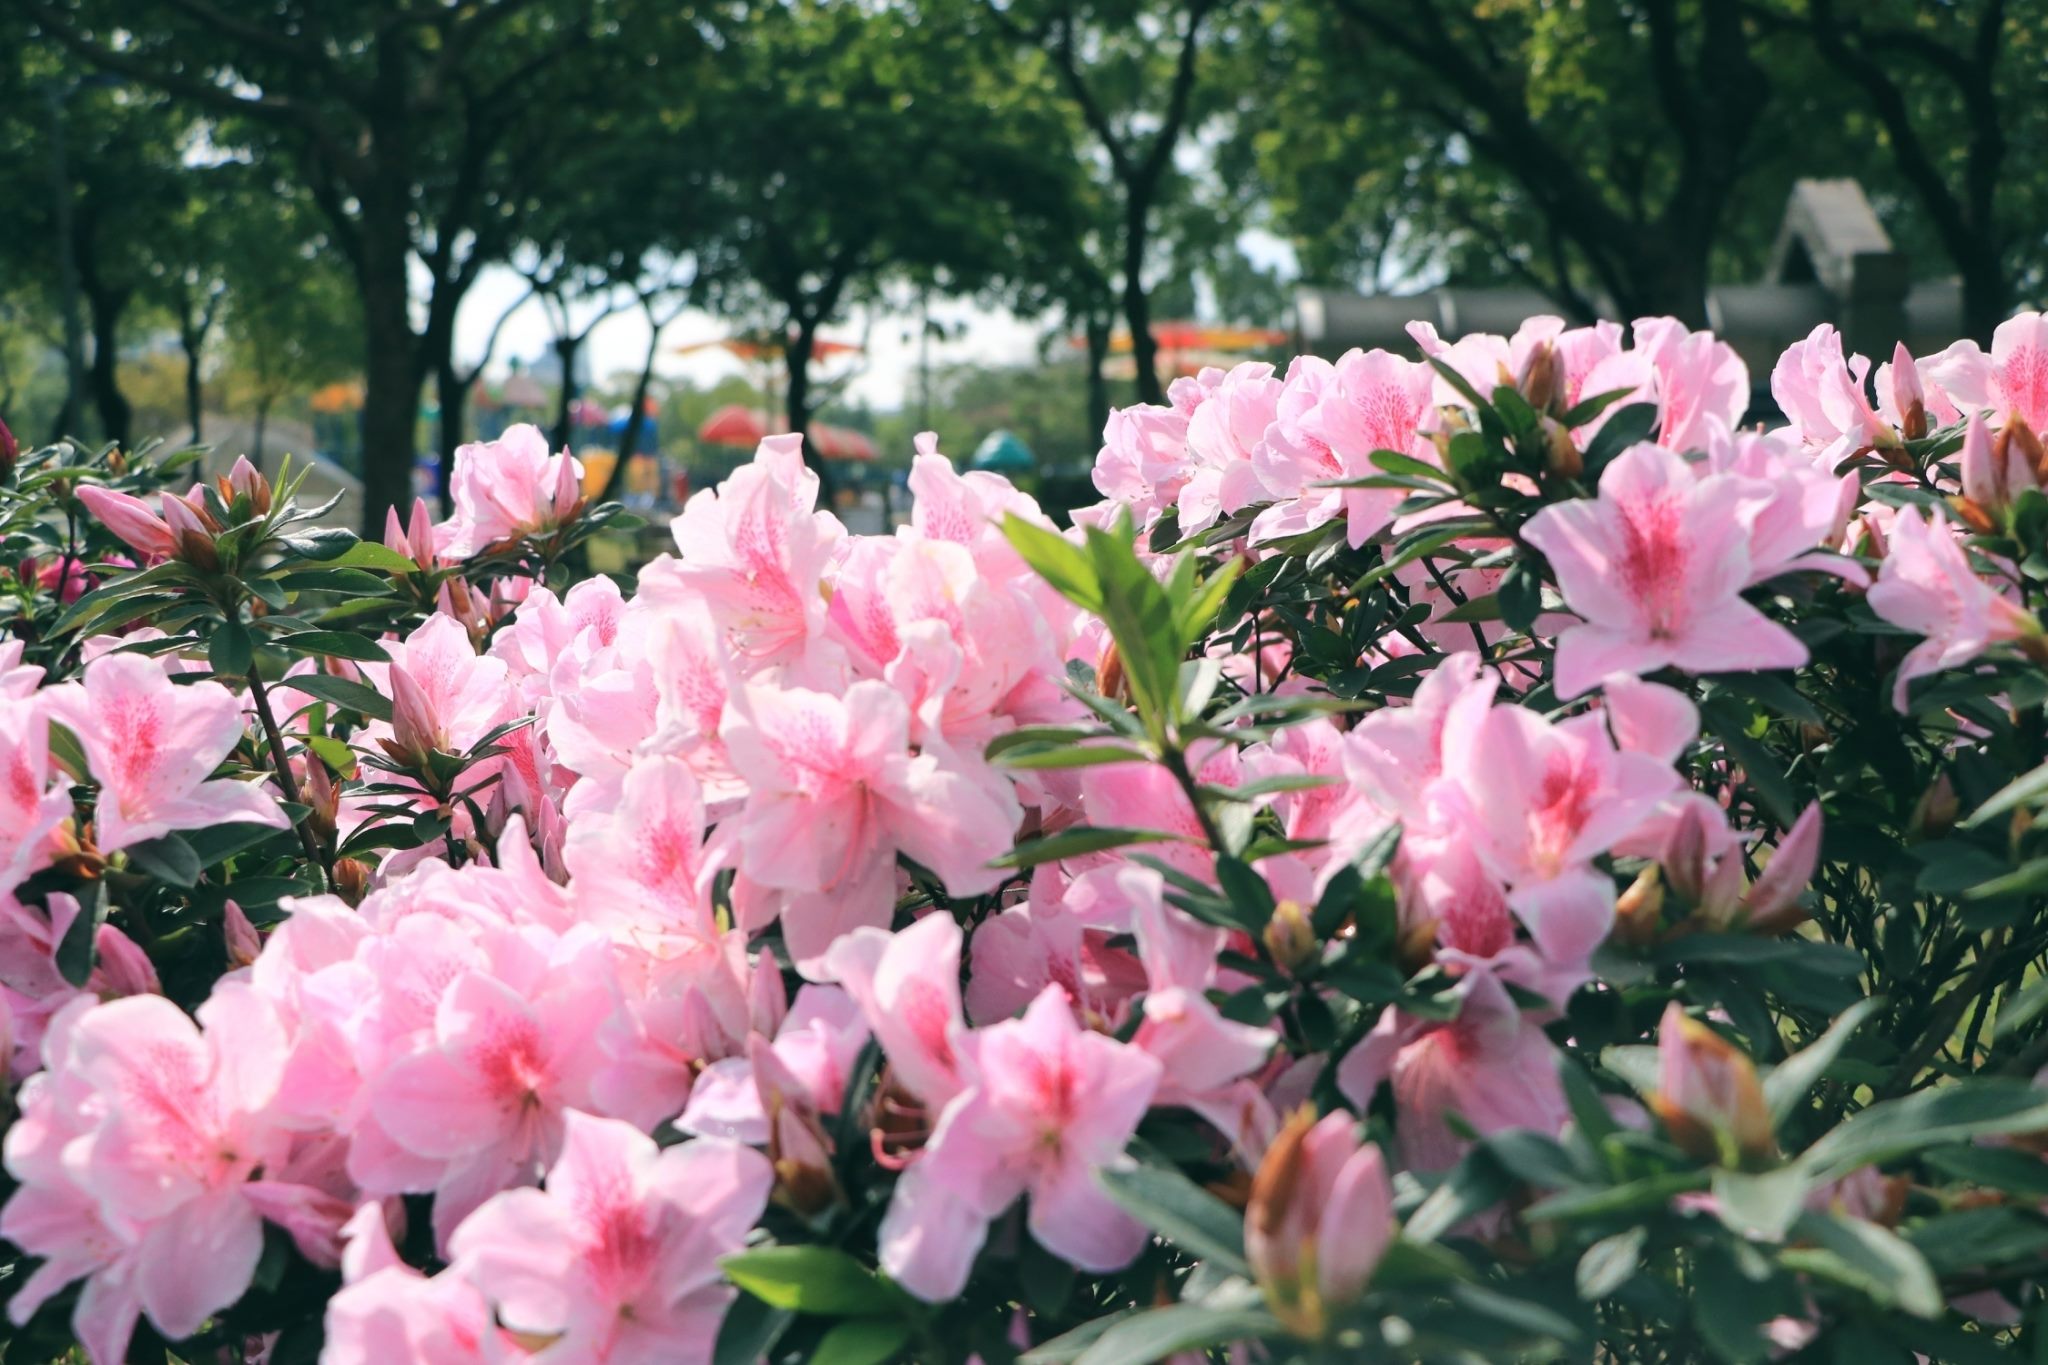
{"points": [[334, 644], [814, 1279], [167, 858], [1181, 1211]]}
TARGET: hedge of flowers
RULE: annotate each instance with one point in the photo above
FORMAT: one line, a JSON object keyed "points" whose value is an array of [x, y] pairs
{"points": [[1473, 857]]}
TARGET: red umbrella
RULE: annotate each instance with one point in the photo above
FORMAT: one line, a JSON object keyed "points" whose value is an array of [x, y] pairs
{"points": [[743, 427]]}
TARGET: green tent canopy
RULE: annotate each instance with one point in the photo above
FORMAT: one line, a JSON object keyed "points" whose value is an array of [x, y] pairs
{"points": [[1003, 453]]}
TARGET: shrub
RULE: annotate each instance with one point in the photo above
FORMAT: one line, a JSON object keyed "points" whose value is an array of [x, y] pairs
{"points": [[1479, 857]]}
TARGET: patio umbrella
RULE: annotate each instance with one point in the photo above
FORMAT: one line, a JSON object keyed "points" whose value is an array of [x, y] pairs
{"points": [[742, 428]]}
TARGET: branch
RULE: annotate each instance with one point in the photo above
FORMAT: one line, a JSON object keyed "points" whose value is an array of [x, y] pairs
{"points": [[491, 341], [270, 108], [1177, 98]]}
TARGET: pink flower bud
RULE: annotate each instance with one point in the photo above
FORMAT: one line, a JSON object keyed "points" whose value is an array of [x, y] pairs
{"points": [[1320, 1218], [129, 518], [245, 480], [414, 728], [1774, 898], [123, 969], [10, 451], [1909, 395], [1994, 472], [243, 942], [1708, 1095]]}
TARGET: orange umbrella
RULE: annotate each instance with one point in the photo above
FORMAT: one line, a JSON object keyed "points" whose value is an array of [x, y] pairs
{"points": [[1195, 336], [766, 348], [743, 428]]}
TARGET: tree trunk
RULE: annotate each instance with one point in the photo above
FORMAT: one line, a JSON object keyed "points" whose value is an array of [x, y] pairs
{"points": [[566, 348], [256, 437], [1137, 307], [1987, 298], [390, 387], [797, 404], [1096, 326], [104, 378], [451, 390], [636, 419], [193, 341]]}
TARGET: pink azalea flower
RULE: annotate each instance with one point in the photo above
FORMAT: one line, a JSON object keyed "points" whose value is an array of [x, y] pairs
{"points": [[2011, 381], [1374, 401], [1050, 1105], [1701, 381], [908, 986], [505, 489], [616, 1262], [164, 1126], [756, 550], [1534, 799], [479, 1101], [152, 746], [834, 794], [640, 868], [1656, 566], [32, 805], [1222, 433], [1926, 586], [1492, 1066]]}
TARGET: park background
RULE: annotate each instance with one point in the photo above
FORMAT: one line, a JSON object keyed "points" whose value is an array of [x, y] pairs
{"points": [[366, 231]]}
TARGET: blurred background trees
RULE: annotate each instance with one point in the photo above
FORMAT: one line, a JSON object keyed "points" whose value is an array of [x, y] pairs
{"points": [[236, 218]]}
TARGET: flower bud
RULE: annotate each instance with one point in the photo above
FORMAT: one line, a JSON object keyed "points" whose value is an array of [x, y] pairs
{"points": [[351, 880], [1539, 380], [194, 540], [122, 969], [1561, 453], [1290, 937], [1685, 855], [242, 940], [1708, 1095], [797, 1146], [1109, 674], [1639, 911], [10, 451], [1319, 1219], [245, 480], [1934, 814], [1720, 899], [131, 519], [1773, 902], [1909, 396], [2017, 447], [415, 733]]}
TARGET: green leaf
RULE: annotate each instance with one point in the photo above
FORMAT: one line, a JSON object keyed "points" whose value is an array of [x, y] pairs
{"points": [[1181, 1211], [354, 582], [1520, 596], [1070, 756], [862, 1341], [1624, 427], [2016, 1172], [1760, 767], [217, 843], [351, 696], [1978, 1107], [1249, 895], [168, 858], [1199, 610], [1651, 1192], [78, 948], [1146, 1337], [814, 1279], [2021, 791], [1610, 1263], [1513, 1311], [1764, 1205], [1972, 1239], [1057, 560], [334, 644], [1868, 1258], [1067, 1347], [1788, 1084], [748, 1334], [1143, 620], [1076, 840], [230, 649]]}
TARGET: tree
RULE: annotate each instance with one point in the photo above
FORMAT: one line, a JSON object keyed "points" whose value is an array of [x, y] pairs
{"points": [[292, 314], [417, 129], [1132, 71], [893, 150], [1593, 149]]}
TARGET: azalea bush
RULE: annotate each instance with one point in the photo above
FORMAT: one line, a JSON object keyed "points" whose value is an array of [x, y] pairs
{"points": [[1478, 856]]}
